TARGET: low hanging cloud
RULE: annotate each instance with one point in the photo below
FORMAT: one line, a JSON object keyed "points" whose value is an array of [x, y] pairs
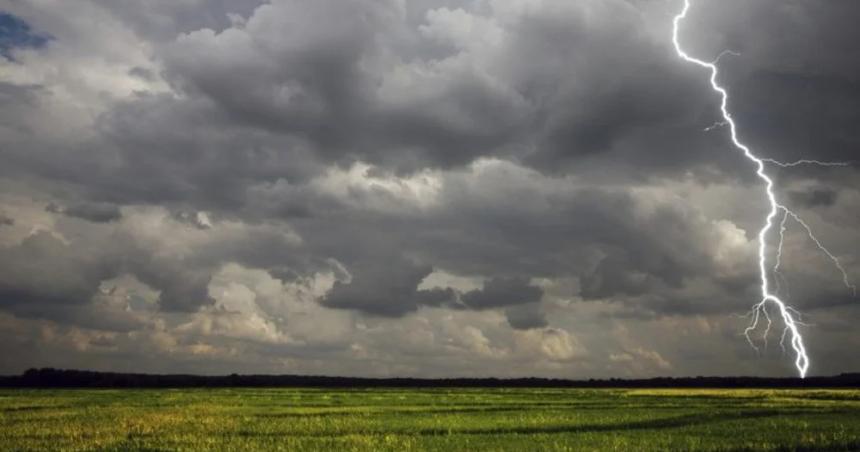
{"points": [[387, 290], [501, 292], [94, 212]]}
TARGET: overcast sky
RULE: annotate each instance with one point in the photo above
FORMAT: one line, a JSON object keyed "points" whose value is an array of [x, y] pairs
{"points": [[419, 188]]}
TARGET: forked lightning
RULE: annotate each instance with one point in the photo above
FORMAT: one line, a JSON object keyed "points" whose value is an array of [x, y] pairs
{"points": [[769, 296]]}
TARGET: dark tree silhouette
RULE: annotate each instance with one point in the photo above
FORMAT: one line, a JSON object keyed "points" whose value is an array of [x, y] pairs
{"points": [[58, 378]]}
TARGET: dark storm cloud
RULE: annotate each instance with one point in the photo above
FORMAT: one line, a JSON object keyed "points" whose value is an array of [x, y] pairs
{"points": [[322, 84], [526, 317], [71, 273], [554, 150], [556, 95], [43, 273], [95, 212], [501, 222], [574, 230], [792, 115], [6, 221], [817, 197], [260, 105], [795, 85], [387, 290], [500, 292], [208, 162], [567, 95], [44, 270], [221, 176], [609, 91]]}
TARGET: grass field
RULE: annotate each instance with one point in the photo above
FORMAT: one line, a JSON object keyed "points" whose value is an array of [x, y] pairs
{"points": [[429, 419]]}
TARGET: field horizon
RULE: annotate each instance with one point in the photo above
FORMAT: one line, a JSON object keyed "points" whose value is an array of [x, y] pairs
{"points": [[449, 419]]}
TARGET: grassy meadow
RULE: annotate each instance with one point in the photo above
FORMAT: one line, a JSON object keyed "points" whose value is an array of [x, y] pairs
{"points": [[429, 419]]}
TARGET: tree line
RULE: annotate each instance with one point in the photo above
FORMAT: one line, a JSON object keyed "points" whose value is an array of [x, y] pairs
{"points": [[60, 378]]}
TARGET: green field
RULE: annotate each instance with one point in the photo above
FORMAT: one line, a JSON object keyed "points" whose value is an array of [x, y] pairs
{"points": [[429, 419]]}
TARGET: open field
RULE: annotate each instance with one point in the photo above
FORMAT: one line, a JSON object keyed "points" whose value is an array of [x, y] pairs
{"points": [[429, 419]]}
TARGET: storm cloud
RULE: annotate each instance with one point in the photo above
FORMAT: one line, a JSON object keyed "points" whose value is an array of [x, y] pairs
{"points": [[435, 187]]}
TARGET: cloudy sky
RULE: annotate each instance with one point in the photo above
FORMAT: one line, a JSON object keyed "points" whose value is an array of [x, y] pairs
{"points": [[419, 188]]}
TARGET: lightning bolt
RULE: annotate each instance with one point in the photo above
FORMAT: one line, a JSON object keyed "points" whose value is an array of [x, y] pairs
{"points": [[760, 309], [805, 162], [845, 279], [778, 276]]}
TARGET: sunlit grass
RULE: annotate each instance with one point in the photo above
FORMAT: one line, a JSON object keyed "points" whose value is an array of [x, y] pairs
{"points": [[431, 419]]}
